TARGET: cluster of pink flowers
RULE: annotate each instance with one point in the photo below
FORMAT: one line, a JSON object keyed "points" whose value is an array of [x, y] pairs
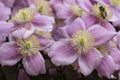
{"points": [[81, 33]]}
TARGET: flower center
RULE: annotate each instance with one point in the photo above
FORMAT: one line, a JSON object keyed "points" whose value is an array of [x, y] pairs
{"points": [[82, 41], [115, 2], [28, 46], [23, 15], [43, 7], [103, 49], [76, 10], [101, 11]]}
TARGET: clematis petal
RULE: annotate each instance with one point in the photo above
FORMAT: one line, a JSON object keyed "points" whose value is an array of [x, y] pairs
{"points": [[62, 11], [89, 20], [22, 32], [116, 15], [100, 34], [107, 66], [8, 54], [107, 2], [45, 42], [70, 2], [77, 25], [118, 40], [85, 5], [115, 54], [61, 53], [116, 23], [43, 23], [5, 14], [5, 30], [8, 3], [34, 64], [59, 33], [107, 25], [87, 63], [19, 4]]}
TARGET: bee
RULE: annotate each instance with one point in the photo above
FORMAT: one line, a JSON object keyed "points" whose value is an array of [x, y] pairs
{"points": [[103, 12]]}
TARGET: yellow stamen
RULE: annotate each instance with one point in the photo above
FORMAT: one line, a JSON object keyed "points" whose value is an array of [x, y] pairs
{"points": [[43, 7], [29, 46], [82, 41], [23, 15], [77, 10]]}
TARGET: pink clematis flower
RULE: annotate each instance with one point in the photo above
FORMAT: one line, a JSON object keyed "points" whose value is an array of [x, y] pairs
{"points": [[111, 55], [80, 46], [114, 6], [26, 21], [27, 50], [97, 13]]}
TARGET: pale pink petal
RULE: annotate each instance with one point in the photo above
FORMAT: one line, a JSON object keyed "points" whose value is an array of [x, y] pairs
{"points": [[88, 62], [107, 2], [116, 15], [62, 11], [115, 54], [61, 53], [85, 5], [43, 23], [22, 33], [20, 4], [89, 20], [45, 42], [5, 12], [34, 65], [5, 30], [77, 25], [59, 33], [8, 3], [9, 54], [116, 23], [107, 66], [107, 25], [118, 40], [100, 34], [70, 2]]}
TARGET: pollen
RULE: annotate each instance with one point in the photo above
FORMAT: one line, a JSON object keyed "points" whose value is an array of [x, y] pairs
{"points": [[101, 11], [82, 41], [23, 15], [29, 46], [76, 10]]}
